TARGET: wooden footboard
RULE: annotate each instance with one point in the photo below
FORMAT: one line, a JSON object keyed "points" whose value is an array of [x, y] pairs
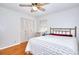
{"points": [[15, 50]]}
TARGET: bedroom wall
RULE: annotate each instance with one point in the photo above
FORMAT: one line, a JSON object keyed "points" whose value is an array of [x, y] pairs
{"points": [[10, 26], [65, 18]]}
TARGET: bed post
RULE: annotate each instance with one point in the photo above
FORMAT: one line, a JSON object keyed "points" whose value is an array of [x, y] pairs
{"points": [[75, 31], [50, 30]]}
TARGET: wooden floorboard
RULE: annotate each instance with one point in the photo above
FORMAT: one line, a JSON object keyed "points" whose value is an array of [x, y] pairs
{"points": [[15, 50]]}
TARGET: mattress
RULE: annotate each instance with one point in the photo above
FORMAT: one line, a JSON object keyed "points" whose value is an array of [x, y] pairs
{"points": [[53, 45]]}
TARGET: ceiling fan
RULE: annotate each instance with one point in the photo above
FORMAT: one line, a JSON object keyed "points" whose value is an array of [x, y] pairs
{"points": [[35, 6]]}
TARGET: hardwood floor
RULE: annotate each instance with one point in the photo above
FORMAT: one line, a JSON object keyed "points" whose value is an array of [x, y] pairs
{"points": [[15, 50]]}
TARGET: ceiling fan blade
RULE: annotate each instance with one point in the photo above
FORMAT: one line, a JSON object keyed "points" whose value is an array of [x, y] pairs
{"points": [[45, 3], [24, 5], [42, 4], [40, 8]]}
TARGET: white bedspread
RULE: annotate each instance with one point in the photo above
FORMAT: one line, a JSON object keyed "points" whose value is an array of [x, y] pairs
{"points": [[53, 45]]}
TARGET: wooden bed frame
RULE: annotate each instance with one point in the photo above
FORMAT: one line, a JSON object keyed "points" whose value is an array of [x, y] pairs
{"points": [[64, 30]]}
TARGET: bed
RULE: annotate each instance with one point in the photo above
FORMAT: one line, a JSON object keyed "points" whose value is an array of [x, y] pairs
{"points": [[55, 43]]}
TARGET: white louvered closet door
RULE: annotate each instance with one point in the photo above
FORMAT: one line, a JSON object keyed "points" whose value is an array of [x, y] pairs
{"points": [[27, 27]]}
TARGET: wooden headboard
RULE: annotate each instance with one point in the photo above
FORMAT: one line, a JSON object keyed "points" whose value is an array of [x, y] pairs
{"points": [[64, 30]]}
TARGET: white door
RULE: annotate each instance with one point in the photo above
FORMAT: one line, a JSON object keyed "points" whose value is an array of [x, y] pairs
{"points": [[27, 29]]}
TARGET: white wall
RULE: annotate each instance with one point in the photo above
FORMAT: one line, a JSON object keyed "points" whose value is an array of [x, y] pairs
{"points": [[66, 18], [10, 26]]}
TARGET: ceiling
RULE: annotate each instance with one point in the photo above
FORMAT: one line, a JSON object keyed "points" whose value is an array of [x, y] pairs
{"points": [[50, 8]]}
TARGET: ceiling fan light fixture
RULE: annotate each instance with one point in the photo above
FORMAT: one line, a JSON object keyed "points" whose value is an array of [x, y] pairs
{"points": [[35, 8]]}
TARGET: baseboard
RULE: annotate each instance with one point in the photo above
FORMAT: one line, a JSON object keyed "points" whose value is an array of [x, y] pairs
{"points": [[28, 53]]}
